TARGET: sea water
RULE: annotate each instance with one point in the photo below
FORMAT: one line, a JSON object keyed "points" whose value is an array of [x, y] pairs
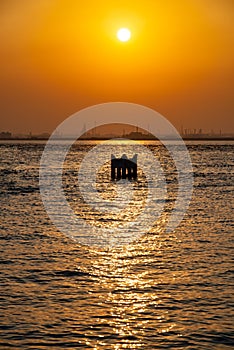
{"points": [[162, 291]]}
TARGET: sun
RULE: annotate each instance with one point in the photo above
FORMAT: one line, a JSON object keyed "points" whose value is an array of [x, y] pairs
{"points": [[124, 34]]}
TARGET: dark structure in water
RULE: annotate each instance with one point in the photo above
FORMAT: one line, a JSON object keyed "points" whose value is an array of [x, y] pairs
{"points": [[124, 167]]}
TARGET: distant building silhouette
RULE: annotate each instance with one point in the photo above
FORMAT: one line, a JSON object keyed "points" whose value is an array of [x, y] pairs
{"points": [[5, 135]]}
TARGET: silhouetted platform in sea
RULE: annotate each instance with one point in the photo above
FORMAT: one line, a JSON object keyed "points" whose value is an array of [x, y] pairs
{"points": [[124, 167]]}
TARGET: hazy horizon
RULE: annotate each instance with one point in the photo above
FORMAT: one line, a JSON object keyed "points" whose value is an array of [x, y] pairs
{"points": [[119, 130]]}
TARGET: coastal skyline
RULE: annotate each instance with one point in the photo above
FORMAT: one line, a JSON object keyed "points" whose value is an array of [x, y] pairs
{"points": [[58, 57], [119, 130]]}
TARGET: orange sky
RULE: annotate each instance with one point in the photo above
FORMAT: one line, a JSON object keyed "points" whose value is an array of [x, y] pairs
{"points": [[58, 56]]}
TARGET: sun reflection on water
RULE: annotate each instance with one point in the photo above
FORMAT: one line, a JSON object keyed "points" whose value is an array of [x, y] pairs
{"points": [[163, 291], [134, 306]]}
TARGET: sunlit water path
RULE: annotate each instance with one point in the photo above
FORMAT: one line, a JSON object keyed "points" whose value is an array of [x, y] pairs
{"points": [[165, 291]]}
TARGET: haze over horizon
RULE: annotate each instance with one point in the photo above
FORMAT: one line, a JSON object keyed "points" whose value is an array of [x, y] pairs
{"points": [[58, 57]]}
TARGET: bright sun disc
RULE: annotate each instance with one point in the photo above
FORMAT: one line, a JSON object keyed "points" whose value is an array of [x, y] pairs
{"points": [[124, 34]]}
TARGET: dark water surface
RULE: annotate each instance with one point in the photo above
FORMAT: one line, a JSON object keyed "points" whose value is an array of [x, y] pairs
{"points": [[165, 291]]}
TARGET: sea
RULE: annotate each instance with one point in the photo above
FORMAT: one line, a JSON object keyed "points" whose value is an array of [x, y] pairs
{"points": [[163, 290]]}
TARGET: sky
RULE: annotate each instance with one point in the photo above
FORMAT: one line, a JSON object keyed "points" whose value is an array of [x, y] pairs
{"points": [[59, 56]]}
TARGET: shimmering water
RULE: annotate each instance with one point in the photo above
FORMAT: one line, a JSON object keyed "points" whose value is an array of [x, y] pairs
{"points": [[165, 291]]}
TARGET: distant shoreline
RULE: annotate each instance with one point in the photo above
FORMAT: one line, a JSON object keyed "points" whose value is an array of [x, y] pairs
{"points": [[140, 139]]}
